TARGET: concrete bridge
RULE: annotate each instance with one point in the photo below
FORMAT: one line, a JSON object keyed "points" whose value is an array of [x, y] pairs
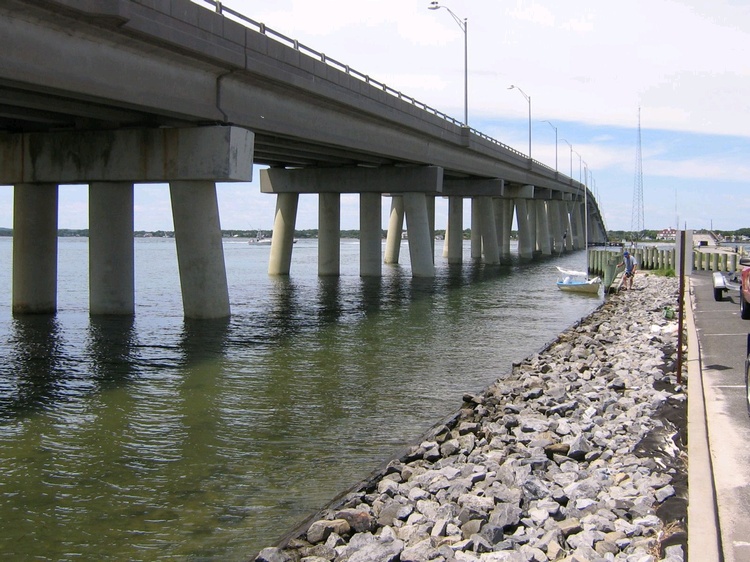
{"points": [[112, 93]]}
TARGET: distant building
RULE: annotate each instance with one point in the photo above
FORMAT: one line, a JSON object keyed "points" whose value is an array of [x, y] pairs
{"points": [[667, 234]]}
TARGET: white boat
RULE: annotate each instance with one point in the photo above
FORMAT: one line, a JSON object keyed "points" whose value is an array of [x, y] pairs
{"points": [[580, 284], [259, 239], [579, 281]]}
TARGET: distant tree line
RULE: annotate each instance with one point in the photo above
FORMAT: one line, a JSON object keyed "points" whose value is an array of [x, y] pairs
{"points": [[616, 235], [613, 235]]}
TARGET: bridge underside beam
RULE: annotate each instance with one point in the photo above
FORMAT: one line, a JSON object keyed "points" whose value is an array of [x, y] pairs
{"points": [[133, 155], [519, 191], [391, 179], [474, 187]]}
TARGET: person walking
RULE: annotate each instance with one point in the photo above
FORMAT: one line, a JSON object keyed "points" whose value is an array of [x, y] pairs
{"points": [[630, 267]]}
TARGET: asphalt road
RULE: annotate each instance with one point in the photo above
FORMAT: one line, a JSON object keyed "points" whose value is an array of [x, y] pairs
{"points": [[722, 336]]}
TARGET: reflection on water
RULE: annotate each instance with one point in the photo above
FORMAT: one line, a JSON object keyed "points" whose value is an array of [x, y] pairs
{"points": [[155, 437], [33, 366]]}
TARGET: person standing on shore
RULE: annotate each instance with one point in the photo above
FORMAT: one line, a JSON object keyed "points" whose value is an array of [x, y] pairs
{"points": [[630, 267]]}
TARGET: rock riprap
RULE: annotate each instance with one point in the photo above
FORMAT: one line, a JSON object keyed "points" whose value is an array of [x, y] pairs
{"points": [[544, 465]]}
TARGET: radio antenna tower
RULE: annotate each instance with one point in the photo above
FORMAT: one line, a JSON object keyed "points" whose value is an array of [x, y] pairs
{"points": [[637, 225]]}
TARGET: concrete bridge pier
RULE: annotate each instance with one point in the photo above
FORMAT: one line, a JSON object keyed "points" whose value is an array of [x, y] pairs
{"points": [[567, 224], [544, 242], [533, 229], [525, 249], [110, 161], [505, 227], [370, 235], [34, 248], [454, 234], [416, 184], [200, 254], [553, 212], [395, 230], [488, 230], [431, 224], [111, 248], [476, 232], [282, 241], [576, 217], [329, 234], [418, 230]]}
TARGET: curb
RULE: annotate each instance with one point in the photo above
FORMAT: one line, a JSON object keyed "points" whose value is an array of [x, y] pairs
{"points": [[703, 519]]}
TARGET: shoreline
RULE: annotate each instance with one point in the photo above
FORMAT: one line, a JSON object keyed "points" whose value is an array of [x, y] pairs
{"points": [[553, 460]]}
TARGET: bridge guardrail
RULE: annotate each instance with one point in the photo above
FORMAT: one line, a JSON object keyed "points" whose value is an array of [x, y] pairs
{"points": [[219, 8], [297, 46]]}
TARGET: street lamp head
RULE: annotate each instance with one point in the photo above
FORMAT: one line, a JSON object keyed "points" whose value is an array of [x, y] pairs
{"points": [[511, 87], [433, 6]]}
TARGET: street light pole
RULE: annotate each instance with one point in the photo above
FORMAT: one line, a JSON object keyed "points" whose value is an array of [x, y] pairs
{"points": [[464, 25], [555, 128], [528, 99]]}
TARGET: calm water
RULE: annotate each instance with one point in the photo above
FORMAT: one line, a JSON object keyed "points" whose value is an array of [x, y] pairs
{"points": [[158, 438]]}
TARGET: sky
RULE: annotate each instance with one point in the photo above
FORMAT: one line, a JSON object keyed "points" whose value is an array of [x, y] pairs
{"points": [[591, 69]]}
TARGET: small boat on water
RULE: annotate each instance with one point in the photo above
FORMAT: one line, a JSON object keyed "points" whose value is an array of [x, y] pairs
{"points": [[259, 239], [578, 282]]}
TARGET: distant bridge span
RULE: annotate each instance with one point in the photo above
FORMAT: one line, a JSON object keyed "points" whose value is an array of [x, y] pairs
{"points": [[116, 92]]}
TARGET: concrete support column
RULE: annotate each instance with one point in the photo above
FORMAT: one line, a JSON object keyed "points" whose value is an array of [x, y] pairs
{"points": [[418, 228], [544, 239], [567, 226], [395, 230], [577, 215], [531, 213], [370, 234], [525, 248], [505, 228], [476, 235], [111, 249], [553, 212], [200, 255], [431, 221], [454, 234], [282, 242], [329, 234], [488, 229], [35, 248]]}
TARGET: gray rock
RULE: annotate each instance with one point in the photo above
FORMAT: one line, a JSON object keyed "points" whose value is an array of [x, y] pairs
{"points": [[505, 515], [320, 530], [423, 550], [272, 554], [674, 554], [664, 493], [579, 447], [493, 533], [359, 520]]}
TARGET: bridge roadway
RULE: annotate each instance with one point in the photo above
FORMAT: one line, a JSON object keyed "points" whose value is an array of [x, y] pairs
{"points": [[111, 93]]}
